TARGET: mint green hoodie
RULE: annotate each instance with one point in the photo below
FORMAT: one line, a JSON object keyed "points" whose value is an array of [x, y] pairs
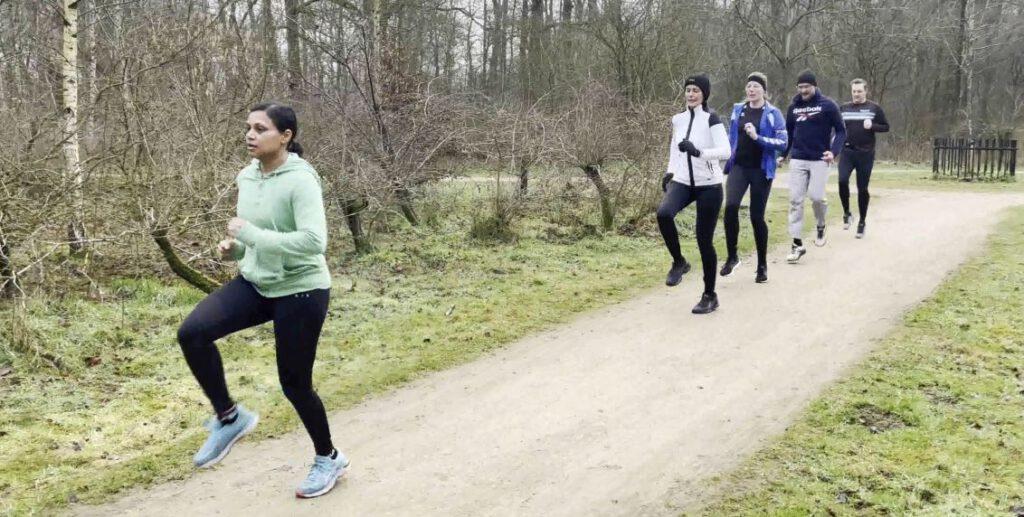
{"points": [[281, 250]]}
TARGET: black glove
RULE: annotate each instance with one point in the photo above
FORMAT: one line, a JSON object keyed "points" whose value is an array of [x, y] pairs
{"points": [[686, 146], [664, 182]]}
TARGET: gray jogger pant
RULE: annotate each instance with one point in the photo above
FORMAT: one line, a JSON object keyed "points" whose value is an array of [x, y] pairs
{"points": [[806, 179]]}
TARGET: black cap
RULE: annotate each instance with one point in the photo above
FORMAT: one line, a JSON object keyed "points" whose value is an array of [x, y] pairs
{"points": [[700, 81], [807, 77]]}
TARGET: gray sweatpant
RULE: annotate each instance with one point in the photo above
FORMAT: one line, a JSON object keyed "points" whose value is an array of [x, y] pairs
{"points": [[806, 179]]}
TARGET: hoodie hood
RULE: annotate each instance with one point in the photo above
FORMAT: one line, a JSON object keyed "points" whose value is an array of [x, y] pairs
{"points": [[291, 164]]}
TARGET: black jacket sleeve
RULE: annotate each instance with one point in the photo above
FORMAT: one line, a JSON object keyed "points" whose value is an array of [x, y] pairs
{"points": [[839, 127], [880, 124]]}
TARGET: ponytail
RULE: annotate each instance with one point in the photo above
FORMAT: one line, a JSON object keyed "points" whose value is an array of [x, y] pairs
{"points": [[294, 147]]}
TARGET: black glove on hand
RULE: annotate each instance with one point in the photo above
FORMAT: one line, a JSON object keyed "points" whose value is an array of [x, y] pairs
{"points": [[686, 146], [664, 182]]}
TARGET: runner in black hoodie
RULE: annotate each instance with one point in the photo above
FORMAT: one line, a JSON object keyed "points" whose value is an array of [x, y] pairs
{"points": [[863, 119]]}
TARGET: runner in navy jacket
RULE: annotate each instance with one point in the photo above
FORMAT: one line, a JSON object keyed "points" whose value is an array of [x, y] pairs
{"points": [[810, 124], [816, 136]]}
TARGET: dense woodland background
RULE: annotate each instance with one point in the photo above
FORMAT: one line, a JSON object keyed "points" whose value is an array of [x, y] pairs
{"points": [[124, 118]]}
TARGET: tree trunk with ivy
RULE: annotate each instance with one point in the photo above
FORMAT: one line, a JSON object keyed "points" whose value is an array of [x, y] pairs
{"points": [[604, 194], [187, 273], [353, 209]]}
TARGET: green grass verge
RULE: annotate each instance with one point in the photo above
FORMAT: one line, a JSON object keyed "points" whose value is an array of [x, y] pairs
{"points": [[885, 174], [123, 409], [929, 424], [920, 178]]}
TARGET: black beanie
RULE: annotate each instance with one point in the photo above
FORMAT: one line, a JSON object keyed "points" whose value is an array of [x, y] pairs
{"points": [[759, 78], [700, 81], [807, 77]]}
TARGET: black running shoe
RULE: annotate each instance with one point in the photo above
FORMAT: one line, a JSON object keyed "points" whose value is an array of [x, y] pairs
{"points": [[708, 303], [675, 274], [847, 220], [730, 264], [860, 230], [762, 274]]}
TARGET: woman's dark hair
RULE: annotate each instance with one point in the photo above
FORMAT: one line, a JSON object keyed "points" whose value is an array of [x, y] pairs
{"points": [[284, 119]]}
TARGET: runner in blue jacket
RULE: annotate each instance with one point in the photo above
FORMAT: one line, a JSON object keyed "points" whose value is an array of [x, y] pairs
{"points": [[757, 131]]}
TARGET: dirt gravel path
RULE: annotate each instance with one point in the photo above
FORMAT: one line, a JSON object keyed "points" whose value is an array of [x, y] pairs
{"points": [[625, 410]]}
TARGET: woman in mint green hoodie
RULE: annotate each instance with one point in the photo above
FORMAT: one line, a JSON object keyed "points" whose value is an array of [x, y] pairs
{"points": [[278, 238]]}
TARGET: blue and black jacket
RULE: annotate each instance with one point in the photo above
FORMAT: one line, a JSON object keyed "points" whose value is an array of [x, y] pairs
{"points": [[771, 136]]}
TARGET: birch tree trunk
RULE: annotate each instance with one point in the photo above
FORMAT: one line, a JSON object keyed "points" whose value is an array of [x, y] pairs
{"points": [[91, 138], [72, 164], [965, 76]]}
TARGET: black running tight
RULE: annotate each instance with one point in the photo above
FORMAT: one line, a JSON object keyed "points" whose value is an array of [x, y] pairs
{"points": [[862, 162], [709, 204], [297, 319], [740, 178]]}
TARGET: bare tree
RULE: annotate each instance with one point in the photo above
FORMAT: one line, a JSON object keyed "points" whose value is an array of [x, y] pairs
{"points": [[8, 281], [292, 10], [597, 130], [73, 176], [270, 55], [784, 28], [136, 134], [515, 137], [878, 39]]}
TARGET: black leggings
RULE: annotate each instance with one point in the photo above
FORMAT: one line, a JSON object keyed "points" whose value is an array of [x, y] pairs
{"points": [[709, 204], [862, 161], [297, 319], [740, 178]]}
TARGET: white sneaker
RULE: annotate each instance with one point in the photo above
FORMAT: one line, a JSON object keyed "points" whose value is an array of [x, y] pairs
{"points": [[820, 239], [795, 253]]}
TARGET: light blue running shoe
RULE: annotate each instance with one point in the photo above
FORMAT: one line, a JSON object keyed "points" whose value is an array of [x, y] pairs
{"points": [[223, 436], [323, 475]]}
